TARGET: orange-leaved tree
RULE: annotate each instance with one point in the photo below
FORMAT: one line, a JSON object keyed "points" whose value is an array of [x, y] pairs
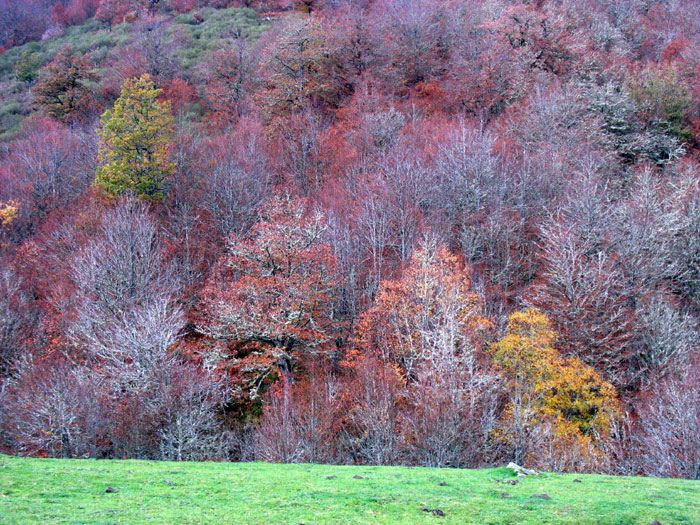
{"points": [[428, 312], [427, 327], [270, 301]]}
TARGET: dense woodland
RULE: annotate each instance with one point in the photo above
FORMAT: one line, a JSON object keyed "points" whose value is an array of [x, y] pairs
{"points": [[449, 233]]}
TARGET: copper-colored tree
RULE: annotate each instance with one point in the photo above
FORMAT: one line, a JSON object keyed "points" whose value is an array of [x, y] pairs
{"points": [[270, 302]]}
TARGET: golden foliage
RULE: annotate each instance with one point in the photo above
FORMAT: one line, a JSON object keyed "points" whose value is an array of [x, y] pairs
{"points": [[563, 402], [8, 212]]}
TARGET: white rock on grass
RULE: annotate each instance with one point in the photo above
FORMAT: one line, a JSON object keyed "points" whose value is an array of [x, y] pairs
{"points": [[521, 471]]}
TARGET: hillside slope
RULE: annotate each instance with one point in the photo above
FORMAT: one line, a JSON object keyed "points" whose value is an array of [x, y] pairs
{"points": [[187, 39], [74, 491]]}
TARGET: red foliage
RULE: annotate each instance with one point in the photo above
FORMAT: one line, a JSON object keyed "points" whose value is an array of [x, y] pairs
{"points": [[74, 12], [271, 298], [511, 135], [180, 94]]}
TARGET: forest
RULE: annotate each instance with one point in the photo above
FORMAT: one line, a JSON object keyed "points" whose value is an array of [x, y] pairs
{"points": [[443, 233]]}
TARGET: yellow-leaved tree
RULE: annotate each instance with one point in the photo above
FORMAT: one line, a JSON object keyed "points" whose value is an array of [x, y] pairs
{"points": [[8, 212], [135, 139], [559, 410]]}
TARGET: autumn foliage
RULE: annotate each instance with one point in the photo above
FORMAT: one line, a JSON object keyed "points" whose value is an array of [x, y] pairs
{"points": [[441, 233], [270, 300], [64, 90], [577, 404]]}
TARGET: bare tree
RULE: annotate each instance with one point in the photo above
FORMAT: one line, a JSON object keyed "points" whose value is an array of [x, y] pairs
{"points": [[235, 178], [454, 403], [54, 408], [582, 291], [231, 72], [669, 421], [127, 317], [393, 200], [46, 169], [157, 49], [300, 422], [483, 206], [371, 433], [471, 174], [411, 188], [416, 38], [16, 319], [375, 233], [686, 247], [668, 337], [189, 402], [645, 230]]}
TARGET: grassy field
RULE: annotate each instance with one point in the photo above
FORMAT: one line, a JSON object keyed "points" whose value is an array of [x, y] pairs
{"points": [[75, 491]]}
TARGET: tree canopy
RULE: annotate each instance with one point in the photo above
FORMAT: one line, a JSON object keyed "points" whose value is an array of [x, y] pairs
{"points": [[135, 142]]}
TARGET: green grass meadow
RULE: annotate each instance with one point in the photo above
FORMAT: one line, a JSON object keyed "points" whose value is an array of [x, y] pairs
{"points": [[74, 491]]}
